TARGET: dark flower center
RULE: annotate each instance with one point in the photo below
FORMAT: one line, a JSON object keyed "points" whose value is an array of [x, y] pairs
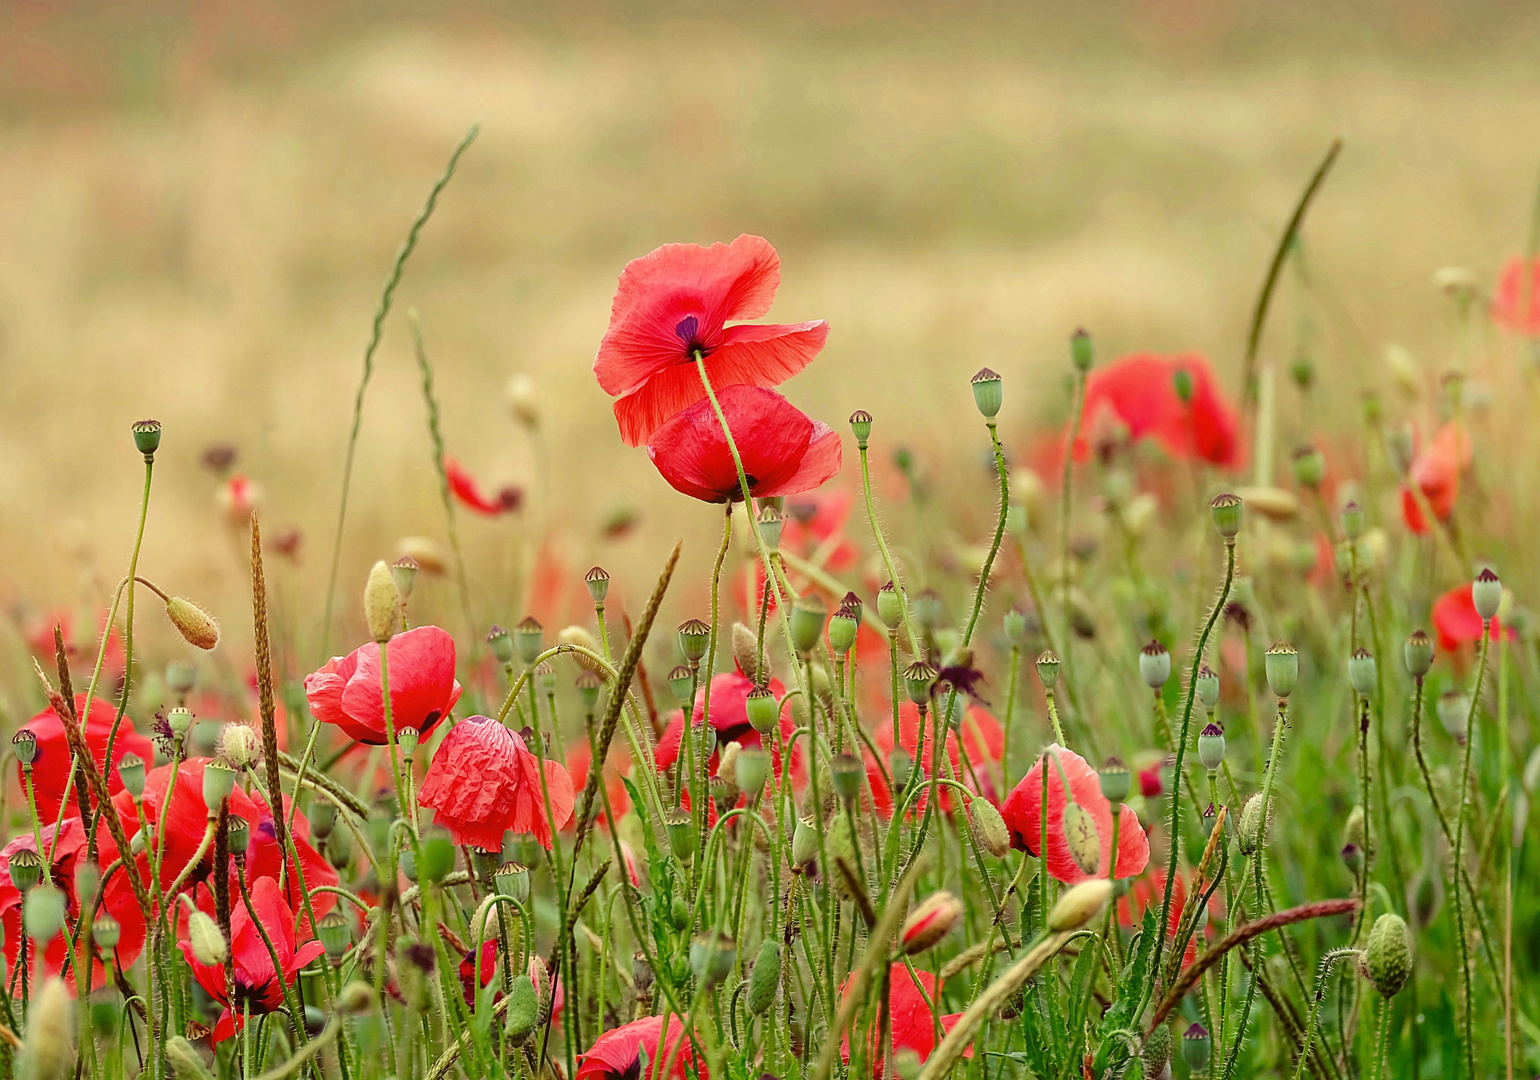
{"points": [[687, 330]]}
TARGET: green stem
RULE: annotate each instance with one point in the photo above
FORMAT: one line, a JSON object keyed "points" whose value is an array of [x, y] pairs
{"points": [[882, 548], [1468, 1027]]}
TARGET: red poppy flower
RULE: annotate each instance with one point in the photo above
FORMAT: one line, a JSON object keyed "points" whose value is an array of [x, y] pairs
{"points": [[730, 718], [1151, 889], [814, 527], [1456, 620], [1138, 392], [1516, 303], [1436, 470], [675, 302], [578, 759], [985, 742], [783, 451], [257, 984], [238, 497], [913, 1028], [64, 858], [616, 1055], [51, 767], [467, 970], [346, 692], [1023, 813], [484, 781], [463, 486]]}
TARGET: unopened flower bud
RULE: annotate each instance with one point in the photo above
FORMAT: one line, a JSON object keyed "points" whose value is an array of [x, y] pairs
{"points": [[1226, 510], [1079, 905], [1418, 654], [528, 639], [1014, 624], [930, 922], [48, 1050], [1156, 1053], [523, 1012], [1486, 593], [382, 603], [1388, 956], [1353, 859], [1085, 845], [987, 392], [1211, 746], [1154, 665], [240, 745], [356, 997], [765, 979], [196, 626], [1252, 833], [1309, 467], [804, 842], [711, 957], [1282, 665], [206, 939], [988, 827], [523, 400]]}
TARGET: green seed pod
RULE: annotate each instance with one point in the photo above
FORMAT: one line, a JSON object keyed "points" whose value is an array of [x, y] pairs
{"points": [[681, 834], [1453, 710], [131, 772], [900, 767], [804, 842], [1085, 845], [588, 687], [1309, 467], [751, 769], [1014, 624], [1282, 665], [771, 523], [106, 931], [438, 859], [1211, 746], [181, 676], [356, 997], [382, 603], [1196, 1047], [146, 437], [763, 709], [1157, 1052], [500, 641], [694, 640], [988, 828], [907, 1064], [765, 979], [1116, 780], [1208, 688], [523, 1010], [598, 582], [26, 868], [404, 571], [1361, 672], [682, 683], [919, 677], [1352, 521], [512, 880], [861, 426], [890, 606], [24, 746], [807, 619], [1486, 593], [711, 957], [842, 630], [1389, 954], [528, 639], [43, 913], [1181, 382], [1048, 668], [1226, 511], [987, 392], [1418, 654], [927, 609], [335, 933], [218, 783], [852, 603], [1154, 665], [845, 775], [679, 912], [239, 830], [1081, 351]]}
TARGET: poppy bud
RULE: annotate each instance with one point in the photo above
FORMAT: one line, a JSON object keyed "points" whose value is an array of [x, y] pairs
{"points": [[907, 1064], [588, 687], [207, 940], [43, 912], [1486, 593], [929, 923], [26, 867], [239, 831], [598, 582], [382, 603], [762, 709], [335, 933], [197, 626], [1115, 780], [1080, 350], [1418, 654], [1353, 859], [861, 426], [218, 783], [404, 573], [845, 774], [842, 630], [807, 619], [890, 606], [694, 640], [528, 639], [751, 768], [438, 859], [1014, 624], [1196, 1047], [1282, 666], [1085, 845], [24, 746], [1226, 511], [1361, 672], [356, 997], [711, 957], [1154, 665], [523, 1009], [322, 816], [1252, 833], [1453, 712], [1181, 382], [1398, 448], [771, 522], [1353, 827], [804, 842], [919, 677], [1352, 521], [106, 931], [1048, 668], [988, 827], [501, 644], [681, 834], [48, 1051], [1079, 905], [147, 437], [765, 979], [1309, 467], [240, 745], [746, 651], [1389, 954], [987, 393], [1211, 746], [1157, 1052], [1208, 687]]}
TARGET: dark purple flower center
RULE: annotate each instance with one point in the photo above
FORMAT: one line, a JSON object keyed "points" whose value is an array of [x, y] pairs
{"points": [[687, 330]]}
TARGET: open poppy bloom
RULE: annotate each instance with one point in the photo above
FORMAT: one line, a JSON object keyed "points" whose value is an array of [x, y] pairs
{"points": [[730, 717], [783, 451], [1457, 621], [1023, 813], [51, 766], [1516, 302], [463, 486], [484, 781], [1138, 392], [64, 856], [981, 732], [913, 1028], [674, 303], [617, 1054], [257, 984], [1436, 471], [346, 691]]}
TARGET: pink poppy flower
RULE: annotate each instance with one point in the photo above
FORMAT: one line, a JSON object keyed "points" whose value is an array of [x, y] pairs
{"points": [[1516, 303], [1138, 392], [346, 691], [616, 1055], [1023, 813], [1436, 470], [484, 781]]}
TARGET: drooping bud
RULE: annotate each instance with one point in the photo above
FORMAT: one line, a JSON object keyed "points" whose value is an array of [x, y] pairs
{"points": [[1389, 954], [404, 573], [1486, 593], [1353, 859], [987, 392], [196, 626], [382, 603], [1154, 665], [1211, 746], [919, 677], [48, 1051], [147, 437], [528, 639], [1196, 1047], [1079, 905], [1252, 833], [1115, 780], [746, 651], [598, 582], [1048, 668], [807, 619], [206, 939], [1361, 672], [765, 979], [1282, 665], [523, 1010], [1085, 845], [861, 426], [890, 606], [929, 923], [1418, 654], [1157, 1052], [988, 827], [762, 709], [1226, 510]]}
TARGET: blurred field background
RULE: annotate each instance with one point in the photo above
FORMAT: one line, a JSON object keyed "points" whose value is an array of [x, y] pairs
{"points": [[199, 203]]}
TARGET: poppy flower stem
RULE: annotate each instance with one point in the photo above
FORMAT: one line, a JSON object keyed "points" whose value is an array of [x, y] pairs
{"points": [[1468, 1025], [703, 799], [1066, 510], [887, 556]]}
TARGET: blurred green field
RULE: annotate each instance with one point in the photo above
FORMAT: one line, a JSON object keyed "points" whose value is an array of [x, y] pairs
{"points": [[198, 205]]}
